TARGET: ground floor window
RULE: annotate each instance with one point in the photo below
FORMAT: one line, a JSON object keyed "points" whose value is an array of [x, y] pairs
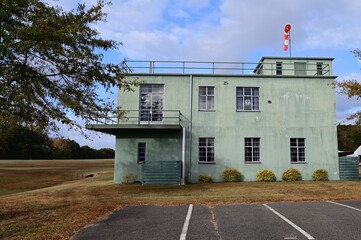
{"points": [[141, 152], [252, 149], [297, 147], [206, 150]]}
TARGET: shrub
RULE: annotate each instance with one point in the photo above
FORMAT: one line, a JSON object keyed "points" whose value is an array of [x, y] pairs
{"points": [[292, 174], [320, 175], [266, 176], [232, 175], [129, 178], [204, 178]]}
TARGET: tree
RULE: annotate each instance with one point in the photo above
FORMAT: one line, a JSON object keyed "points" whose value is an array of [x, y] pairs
{"points": [[352, 88], [349, 137], [51, 64], [18, 142], [65, 148]]}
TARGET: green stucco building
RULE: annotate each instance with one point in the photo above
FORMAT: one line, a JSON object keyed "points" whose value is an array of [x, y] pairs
{"points": [[276, 114]]}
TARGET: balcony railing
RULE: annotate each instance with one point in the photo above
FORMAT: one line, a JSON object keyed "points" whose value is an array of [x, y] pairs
{"points": [[139, 117], [232, 68]]}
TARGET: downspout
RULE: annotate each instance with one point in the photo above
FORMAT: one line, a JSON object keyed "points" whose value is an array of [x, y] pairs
{"points": [[190, 127], [183, 155]]}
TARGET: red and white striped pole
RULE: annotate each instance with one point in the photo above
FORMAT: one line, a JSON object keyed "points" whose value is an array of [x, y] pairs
{"points": [[287, 38]]}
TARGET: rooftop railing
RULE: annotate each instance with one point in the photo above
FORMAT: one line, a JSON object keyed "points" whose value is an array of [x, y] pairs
{"points": [[232, 68]]}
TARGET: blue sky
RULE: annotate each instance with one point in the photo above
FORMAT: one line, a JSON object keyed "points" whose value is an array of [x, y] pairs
{"points": [[230, 30]]}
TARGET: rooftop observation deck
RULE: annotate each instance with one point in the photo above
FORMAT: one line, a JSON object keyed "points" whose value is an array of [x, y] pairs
{"points": [[267, 66]]}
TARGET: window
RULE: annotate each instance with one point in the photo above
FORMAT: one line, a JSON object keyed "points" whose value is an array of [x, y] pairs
{"points": [[151, 102], [206, 150], [297, 150], [252, 149], [300, 68], [247, 98], [278, 68], [319, 68], [141, 152], [206, 98]]}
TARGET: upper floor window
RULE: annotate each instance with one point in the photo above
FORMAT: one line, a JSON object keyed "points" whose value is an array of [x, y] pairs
{"points": [[278, 68], [297, 149], [206, 150], [319, 68], [300, 68], [252, 149], [247, 98], [151, 102], [206, 98]]}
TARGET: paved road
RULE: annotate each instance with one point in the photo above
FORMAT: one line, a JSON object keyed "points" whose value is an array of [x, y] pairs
{"points": [[288, 221]]}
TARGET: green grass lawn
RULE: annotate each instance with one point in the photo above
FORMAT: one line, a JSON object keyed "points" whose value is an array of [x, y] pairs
{"points": [[53, 200]]}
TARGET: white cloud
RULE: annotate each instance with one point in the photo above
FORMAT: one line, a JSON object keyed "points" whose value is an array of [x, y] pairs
{"points": [[233, 30]]}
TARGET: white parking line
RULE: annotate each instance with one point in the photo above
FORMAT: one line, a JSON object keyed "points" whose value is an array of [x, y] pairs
{"points": [[343, 205], [308, 236], [186, 223]]}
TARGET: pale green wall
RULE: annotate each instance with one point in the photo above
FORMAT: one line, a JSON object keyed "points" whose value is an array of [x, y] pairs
{"points": [[269, 65], [301, 107], [163, 147]]}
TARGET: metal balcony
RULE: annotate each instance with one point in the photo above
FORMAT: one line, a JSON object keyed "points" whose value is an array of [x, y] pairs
{"points": [[120, 121]]}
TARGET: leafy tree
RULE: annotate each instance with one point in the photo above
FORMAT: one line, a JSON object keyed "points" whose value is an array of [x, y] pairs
{"points": [[18, 142], [352, 88], [349, 137], [65, 148], [51, 64]]}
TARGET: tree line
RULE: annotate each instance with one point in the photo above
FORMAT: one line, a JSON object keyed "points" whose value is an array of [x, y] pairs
{"points": [[20, 142], [349, 137]]}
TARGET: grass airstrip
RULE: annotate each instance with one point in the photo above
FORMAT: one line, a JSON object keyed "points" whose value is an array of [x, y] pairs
{"points": [[53, 199]]}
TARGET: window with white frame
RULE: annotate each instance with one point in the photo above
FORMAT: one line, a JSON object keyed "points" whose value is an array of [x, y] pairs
{"points": [[206, 98], [151, 102], [141, 152], [247, 98], [206, 150], [252, 150], [297, 149]]}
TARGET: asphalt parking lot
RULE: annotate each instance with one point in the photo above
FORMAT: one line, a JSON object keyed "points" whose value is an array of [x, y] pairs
{"points": [[289, 221]]}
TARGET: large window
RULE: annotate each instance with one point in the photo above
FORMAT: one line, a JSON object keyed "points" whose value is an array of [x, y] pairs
{"points": [[151, 102], [206, 98], [252, 149], [297, 146], [247, 98], [206, 150], [141, 152]]}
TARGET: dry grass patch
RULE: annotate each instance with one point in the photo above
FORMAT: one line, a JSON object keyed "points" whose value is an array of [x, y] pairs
{"points": [[58, 212], [24, 175]]}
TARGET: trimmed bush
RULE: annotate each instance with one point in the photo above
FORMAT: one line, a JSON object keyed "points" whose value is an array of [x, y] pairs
{"points": [[129, 178], [291, 175], [265, 176], [320, 175], [204, 179], [232, 175]]}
